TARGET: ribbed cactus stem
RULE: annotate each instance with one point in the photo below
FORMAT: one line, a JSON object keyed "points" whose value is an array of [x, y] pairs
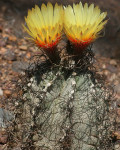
{"points": [[68, 111]]}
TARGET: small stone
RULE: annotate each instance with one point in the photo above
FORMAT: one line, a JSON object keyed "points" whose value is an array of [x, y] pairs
{"points": [[12, 38], [104, 66], [106, 72], [113, 62], [5, 35], [9, 46], [1, 92], [7, 30], [2, 50], [3, 137], [28, 55], [9, 55], [23, 47], [7, 93]]}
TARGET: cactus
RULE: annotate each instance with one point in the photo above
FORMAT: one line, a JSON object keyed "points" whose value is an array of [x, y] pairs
{"points": [[65, 108], [64, 105]]}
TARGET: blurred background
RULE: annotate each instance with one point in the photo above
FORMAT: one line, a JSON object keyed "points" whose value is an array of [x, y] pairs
{"points": [[16, 51]]}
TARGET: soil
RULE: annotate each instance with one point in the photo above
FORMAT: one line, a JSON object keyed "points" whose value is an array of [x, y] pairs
{"points": [[16, 51]]}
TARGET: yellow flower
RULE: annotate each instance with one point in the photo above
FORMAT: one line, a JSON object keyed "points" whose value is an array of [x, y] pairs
{"points": [[82, 24], [45, 25]]}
